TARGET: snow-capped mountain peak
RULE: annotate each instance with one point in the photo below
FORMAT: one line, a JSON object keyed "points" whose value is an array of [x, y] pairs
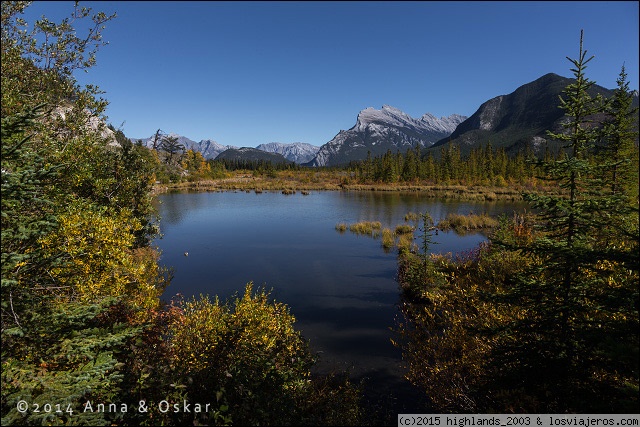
{"points": [[377, 131], [207, 147], [297, 152], [387, 115]]}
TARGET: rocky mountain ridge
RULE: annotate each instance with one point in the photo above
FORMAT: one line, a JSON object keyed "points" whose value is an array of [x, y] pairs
{"points": [[519, 120], [377, 131], [208, 148], [515, 121], [297, 152]]}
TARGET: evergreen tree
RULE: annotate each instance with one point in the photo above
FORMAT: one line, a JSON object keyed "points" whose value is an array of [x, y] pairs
{"points": [[27, 215], [573, 294], [171, 146], [622, 132], [57, 348], [409, 167]]}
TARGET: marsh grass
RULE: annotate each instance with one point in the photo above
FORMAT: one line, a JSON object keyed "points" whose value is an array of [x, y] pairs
{"points": [[388, 239], [313, 179], [402, 238], [463, 223], [404, 229], [405, 243], [366, 227], [411, 216]]}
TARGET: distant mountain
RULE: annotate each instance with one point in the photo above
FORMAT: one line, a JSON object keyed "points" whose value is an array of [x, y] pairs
{"points": [[251, 155], [519, 119], [208, 148], [377, 131], [297, 152]]}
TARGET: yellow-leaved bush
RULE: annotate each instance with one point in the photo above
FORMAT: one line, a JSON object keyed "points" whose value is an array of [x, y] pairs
{"points": [[247, 350], [96, 247]]}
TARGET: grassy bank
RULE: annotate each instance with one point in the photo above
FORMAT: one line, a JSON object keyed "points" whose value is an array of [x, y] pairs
{"points": [[316, 180]]}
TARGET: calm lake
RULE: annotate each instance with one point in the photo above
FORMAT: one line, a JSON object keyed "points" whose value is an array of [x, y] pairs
{"points": [[340, 287]]}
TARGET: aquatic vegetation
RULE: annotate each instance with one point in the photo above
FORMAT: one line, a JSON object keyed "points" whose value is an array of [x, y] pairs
{"points": [[404, 229], [366, 227], [405, 243], [388, 238], [411, 216], [462, 223]]}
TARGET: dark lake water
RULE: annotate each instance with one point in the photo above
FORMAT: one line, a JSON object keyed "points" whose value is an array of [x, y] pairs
{"points": [[340, 287]]}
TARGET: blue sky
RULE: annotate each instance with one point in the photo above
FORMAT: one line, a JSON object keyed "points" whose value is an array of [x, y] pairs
{"points": [[249, 73]]}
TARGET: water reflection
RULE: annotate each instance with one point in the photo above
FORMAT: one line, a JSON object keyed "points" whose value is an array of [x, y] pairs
{"points": [[340, 287]]}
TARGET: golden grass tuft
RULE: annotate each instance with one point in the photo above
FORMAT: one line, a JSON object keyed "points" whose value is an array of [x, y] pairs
{"points": [[411, 216], [405, 243], [388, 238], [365, 227], [462, 223], [404, 229]]}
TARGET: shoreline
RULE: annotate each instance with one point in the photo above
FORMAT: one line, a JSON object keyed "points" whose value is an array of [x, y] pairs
{"points": [[249, 183]]}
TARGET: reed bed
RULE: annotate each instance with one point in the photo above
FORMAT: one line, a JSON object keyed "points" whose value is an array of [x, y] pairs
{"points": [[308, 180], [401, 237], [405, 243], [342, 227], [388, 238], [462, 223], [404, 229], [366, 227], [411, 216]]}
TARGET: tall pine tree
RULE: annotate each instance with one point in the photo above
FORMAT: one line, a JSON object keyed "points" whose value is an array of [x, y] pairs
{"points": [[574, 343]]}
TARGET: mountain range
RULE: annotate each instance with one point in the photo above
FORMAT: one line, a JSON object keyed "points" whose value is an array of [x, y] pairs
{"points": [[207, 147], [377, 131], [297, 152], [514, 122]]}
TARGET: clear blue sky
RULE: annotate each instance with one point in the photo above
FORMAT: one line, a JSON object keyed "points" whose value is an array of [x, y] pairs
{"points": [[257, 72]]}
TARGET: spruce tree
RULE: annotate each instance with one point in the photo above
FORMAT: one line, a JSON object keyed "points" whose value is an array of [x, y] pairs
{"points": [[54, 349], [27, 215], [171, 146], [578, 296], [622, 134]]}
